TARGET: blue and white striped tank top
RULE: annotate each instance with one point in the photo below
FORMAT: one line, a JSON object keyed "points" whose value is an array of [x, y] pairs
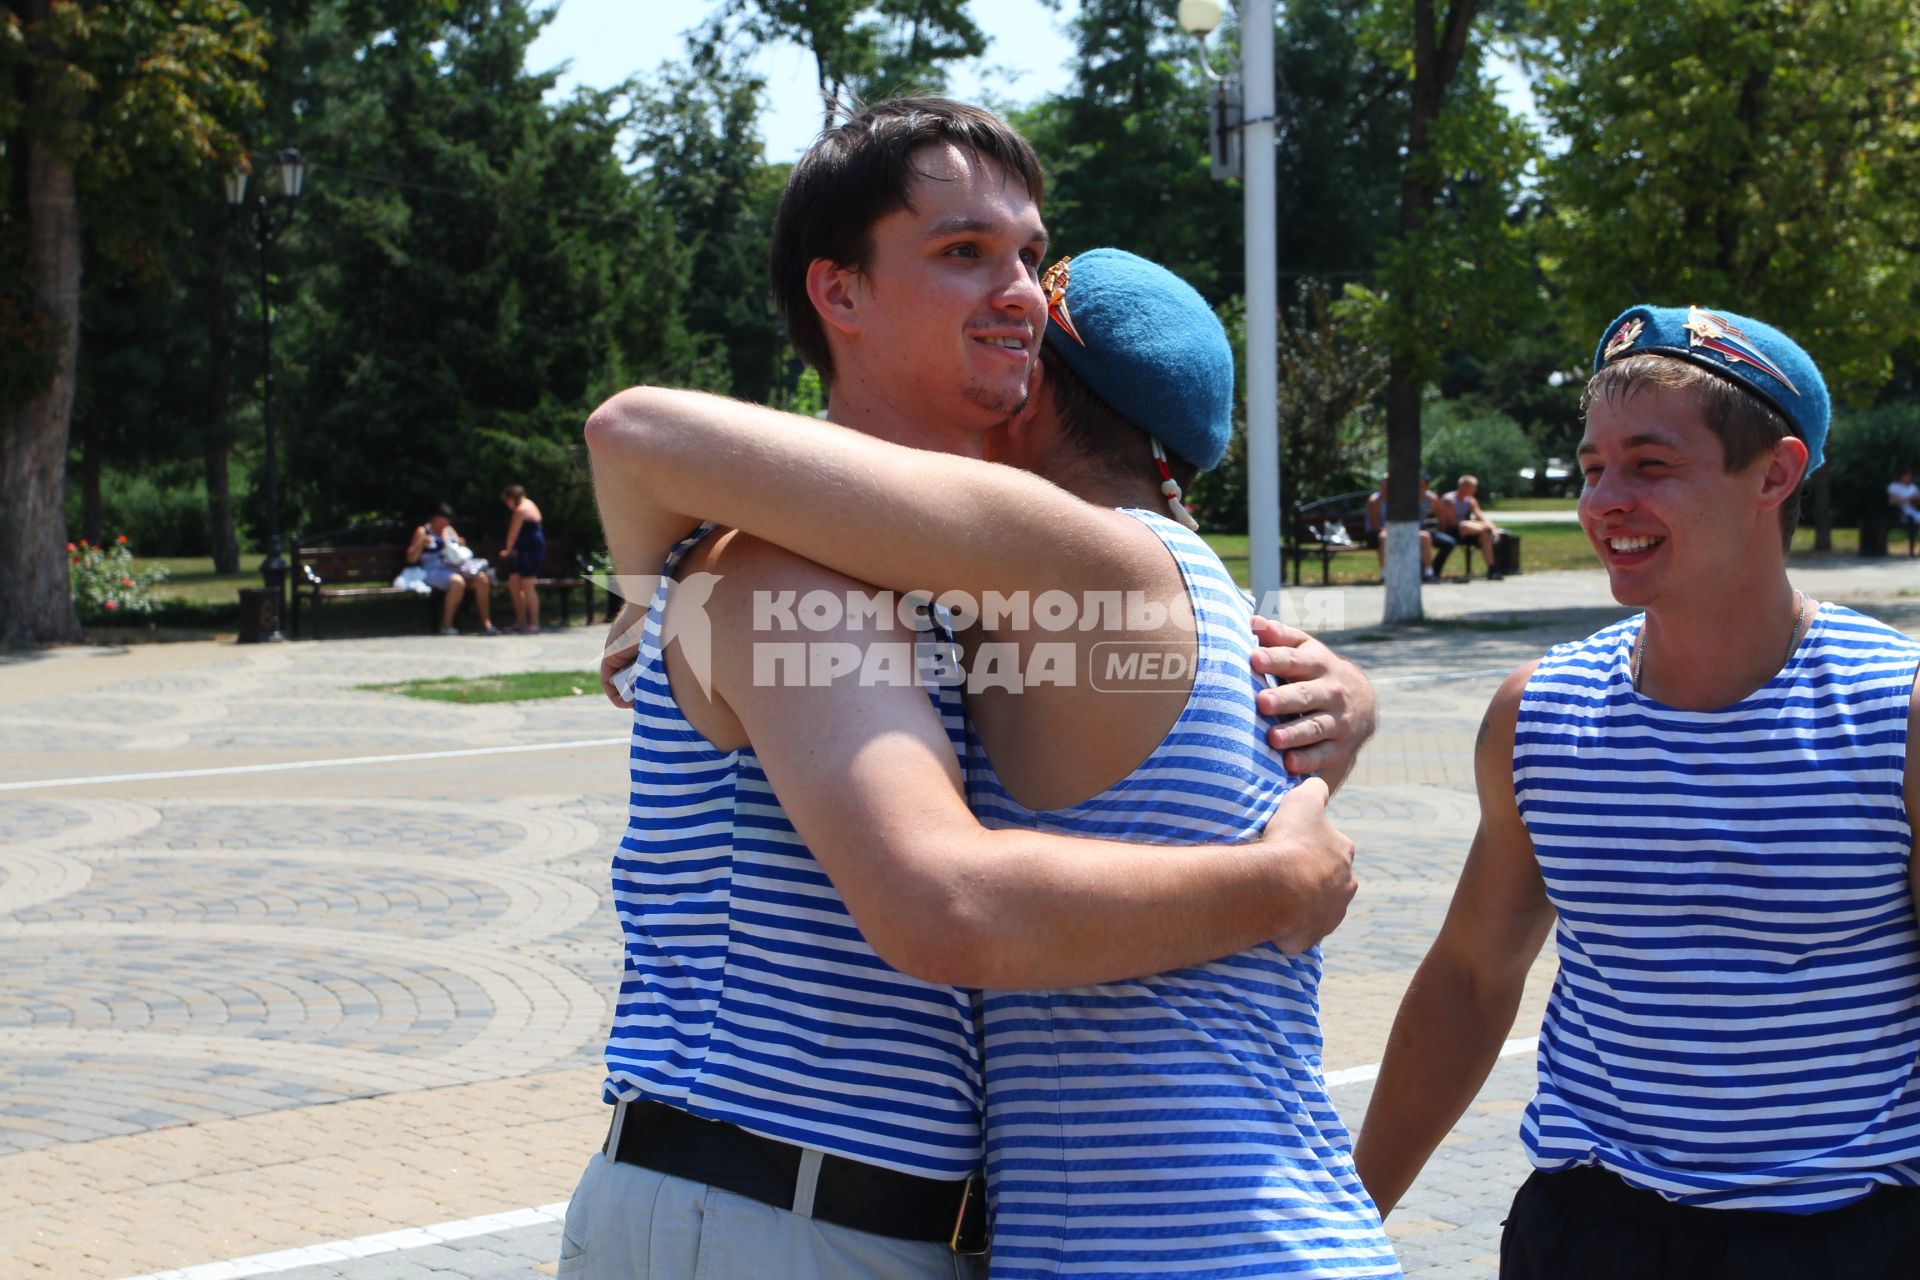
{"points": [[1736, 1021], [1175, 1125], [748, 994]]}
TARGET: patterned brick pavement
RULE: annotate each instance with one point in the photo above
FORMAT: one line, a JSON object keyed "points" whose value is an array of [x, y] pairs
{"points": [[343, 1022]]}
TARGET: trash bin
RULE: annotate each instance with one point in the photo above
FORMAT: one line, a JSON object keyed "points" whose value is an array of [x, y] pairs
{"points": [[259, 615], [1506, 553], [1873, 536]]}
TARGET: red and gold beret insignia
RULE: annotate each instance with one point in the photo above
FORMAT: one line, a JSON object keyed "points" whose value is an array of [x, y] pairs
{"points": [[1054, 285], [1623, 337]]}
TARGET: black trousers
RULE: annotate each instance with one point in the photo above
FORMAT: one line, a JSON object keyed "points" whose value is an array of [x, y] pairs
{"points": [[1586, 1224]]}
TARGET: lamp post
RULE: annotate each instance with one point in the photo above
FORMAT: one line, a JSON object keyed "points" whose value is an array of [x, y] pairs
{"points": [[266, 217], [1256, 129]]}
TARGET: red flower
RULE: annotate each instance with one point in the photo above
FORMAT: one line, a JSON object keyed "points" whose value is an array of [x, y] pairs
{"points": [[70, 546], [126, 582], [121, 538], [83, 542], [112, 605]]}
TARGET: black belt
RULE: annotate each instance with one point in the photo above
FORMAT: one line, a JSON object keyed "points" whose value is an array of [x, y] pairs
{"points": [[847, 1193]]}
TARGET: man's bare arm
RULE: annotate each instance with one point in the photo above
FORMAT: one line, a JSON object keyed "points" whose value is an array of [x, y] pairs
{"points": [[869, 778], [1462, 1001], [900, 518], [905, 519]]}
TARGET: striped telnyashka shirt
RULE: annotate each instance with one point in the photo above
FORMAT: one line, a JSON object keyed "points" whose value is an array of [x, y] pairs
{"points": [[1736, 1021], [1176, 1125], [748, 994]]}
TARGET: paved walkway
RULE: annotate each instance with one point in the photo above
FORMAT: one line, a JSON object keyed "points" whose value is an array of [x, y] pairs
{"points": [[323, 991]]}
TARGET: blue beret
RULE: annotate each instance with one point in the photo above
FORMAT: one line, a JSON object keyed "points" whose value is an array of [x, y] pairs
{"points": [[1148, 345], [1757, 356]]}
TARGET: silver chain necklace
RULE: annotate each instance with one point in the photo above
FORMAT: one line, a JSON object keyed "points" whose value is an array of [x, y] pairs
{"points": [[1793, 641]]}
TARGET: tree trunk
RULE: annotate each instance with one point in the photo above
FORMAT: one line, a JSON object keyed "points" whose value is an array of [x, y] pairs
{"points": [[226, 549], [1403, 572], [1403, 493], [33, 434], [1437, 50]]}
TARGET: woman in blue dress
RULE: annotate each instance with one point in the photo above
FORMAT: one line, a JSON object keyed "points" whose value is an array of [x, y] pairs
{"points": [[525, 554]]}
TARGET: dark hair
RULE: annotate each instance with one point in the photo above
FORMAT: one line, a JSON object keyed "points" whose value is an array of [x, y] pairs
{"points": [[859, 172], [442, 510], [1102, 435], [1746, 425], [513, 493]]}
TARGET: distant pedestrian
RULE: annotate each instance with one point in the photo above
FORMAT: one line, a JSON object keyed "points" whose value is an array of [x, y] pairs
{"points": [[525, 554]]}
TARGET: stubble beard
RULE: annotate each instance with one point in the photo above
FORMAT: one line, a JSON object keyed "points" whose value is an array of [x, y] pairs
{"points": [[1001, 403]]}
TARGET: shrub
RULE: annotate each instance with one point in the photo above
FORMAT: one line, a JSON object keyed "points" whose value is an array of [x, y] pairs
{"points": [[1865, 450], [160, 506], [1469, 437], [107, 585]]}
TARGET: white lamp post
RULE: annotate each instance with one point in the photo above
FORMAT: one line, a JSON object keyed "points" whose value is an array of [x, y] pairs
{"points": [[1201, 17]]}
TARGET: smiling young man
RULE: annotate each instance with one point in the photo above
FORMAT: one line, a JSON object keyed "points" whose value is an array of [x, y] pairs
{"points": [[797, 1096], [1708, 805]]}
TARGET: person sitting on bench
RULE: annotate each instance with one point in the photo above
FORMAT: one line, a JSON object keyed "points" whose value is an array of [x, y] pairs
{"points": [[1461, 517], [438, 548]]}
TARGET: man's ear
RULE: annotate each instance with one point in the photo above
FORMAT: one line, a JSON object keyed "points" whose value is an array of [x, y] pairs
{"points": [[1786, 468], [834, 292]]}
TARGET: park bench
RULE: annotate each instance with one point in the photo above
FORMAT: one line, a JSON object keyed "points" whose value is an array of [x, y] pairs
{"points": [[361, 563], [1506, 549], [1326, 528]]}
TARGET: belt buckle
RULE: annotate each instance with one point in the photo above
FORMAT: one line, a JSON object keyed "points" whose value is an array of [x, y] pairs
{"points": [[969, 1238]]}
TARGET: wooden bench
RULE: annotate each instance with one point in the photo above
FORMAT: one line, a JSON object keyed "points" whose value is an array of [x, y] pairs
{"points": [[361, 563], [1326, 528]]}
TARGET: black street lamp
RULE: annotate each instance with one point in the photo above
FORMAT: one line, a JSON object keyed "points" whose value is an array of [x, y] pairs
{"points": [[266, 217]]}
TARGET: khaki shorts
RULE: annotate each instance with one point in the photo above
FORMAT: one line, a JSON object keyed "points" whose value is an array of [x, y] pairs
{"points": [[630, 1223]]}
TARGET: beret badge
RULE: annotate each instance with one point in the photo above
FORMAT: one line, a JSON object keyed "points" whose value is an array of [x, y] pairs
{"points": [[1724, 338], [1624, 337], [1054, 285]]}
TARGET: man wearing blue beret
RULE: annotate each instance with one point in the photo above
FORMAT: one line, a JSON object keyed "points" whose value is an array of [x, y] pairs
{"points": [[1133, 1124], [1708, 804]]}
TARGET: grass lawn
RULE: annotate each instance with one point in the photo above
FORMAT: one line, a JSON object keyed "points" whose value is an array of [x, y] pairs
{"points": [[193, 578], [519, 686], [1568, 505]]}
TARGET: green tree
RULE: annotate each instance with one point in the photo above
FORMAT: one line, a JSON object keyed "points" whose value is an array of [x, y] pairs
{"points": [[862, 49], [698, 140], [1457, 260], [1333, 369], [477, 270], [1341, 100], [1755, 156], [98, 98], [1760, 157], [1125, 147]]}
